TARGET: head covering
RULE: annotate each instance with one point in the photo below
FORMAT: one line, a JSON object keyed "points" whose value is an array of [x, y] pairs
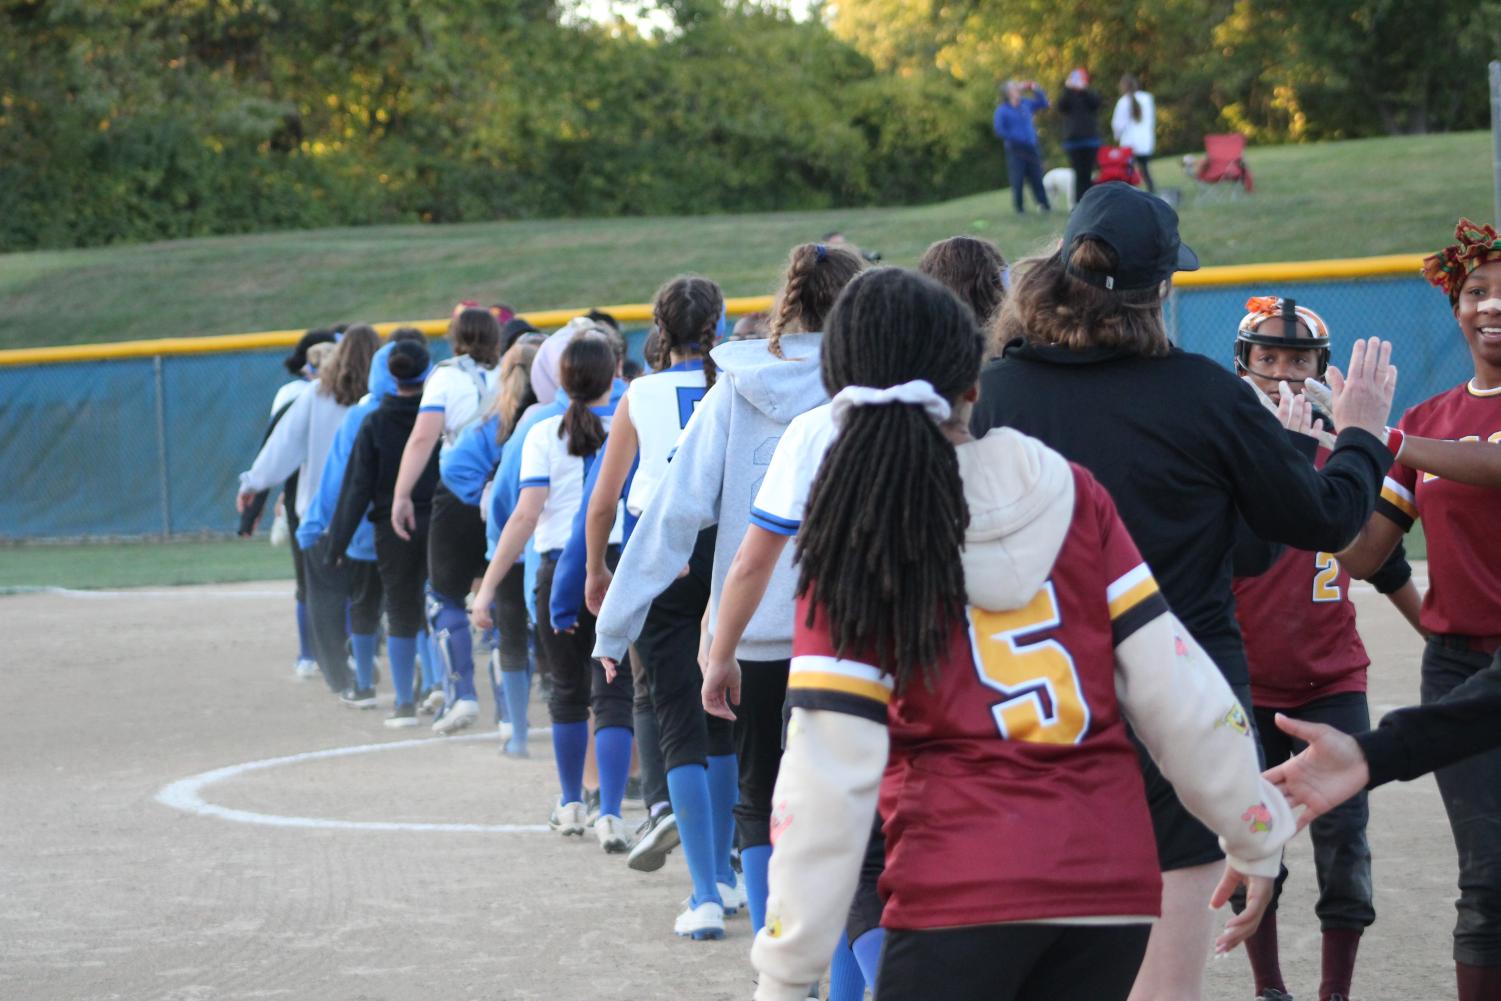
{"points": [[409, 362], [1141, 228], [295, 361], [1449, 268], [546, 366]]}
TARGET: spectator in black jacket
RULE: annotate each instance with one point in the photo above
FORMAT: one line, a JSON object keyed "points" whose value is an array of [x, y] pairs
{"points": [[1080, 108], [370, 481], [1187, 451]]}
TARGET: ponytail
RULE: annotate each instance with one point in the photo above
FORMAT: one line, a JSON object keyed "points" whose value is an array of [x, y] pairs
{"points": [[880, 547], [586, 372], [816, 273]]}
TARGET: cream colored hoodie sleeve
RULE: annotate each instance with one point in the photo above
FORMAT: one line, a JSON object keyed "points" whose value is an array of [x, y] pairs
{"points": [[823, 806], [1183, 710]]}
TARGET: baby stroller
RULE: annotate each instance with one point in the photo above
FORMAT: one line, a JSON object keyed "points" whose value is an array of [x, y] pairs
{"points": [[1117, 163]]}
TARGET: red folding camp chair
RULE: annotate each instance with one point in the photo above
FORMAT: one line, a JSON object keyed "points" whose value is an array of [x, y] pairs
{"points": [[1117, 163], [1224, 161]]}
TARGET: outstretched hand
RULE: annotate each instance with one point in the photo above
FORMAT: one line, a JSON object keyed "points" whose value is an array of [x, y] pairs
{"points": [[1296, 413], [1363, 397], [1330, 770]]}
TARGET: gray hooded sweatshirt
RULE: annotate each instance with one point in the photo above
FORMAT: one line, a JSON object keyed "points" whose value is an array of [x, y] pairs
{"points": [[712, 480]]}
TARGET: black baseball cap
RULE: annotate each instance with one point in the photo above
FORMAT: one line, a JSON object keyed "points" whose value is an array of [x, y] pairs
{"points": [[1141, 228]]}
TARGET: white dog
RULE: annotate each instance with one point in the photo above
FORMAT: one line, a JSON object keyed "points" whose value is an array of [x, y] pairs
{"points": [[1059, 184]]}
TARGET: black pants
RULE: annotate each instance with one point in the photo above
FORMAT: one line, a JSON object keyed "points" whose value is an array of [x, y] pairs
{"points": [[668, 646], [1012, 962], [759, 726], [512, 620], [1341, 853], [402, 564], [455, 546], [1024, 165], [866, 908], [1182, 842], [365, 597], [648, 742], [1146, 171], [578, 680], [1082, 159], [1471, 791], [327, 600]]}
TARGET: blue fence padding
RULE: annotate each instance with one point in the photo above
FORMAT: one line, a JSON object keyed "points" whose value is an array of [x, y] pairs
{"points": [[81, 455]]}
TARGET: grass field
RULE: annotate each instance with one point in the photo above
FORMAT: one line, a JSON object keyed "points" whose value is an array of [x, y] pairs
{"points": [[1349, 199], [142, 564]]}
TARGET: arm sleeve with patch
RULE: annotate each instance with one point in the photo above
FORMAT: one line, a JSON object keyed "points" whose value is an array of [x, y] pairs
{"points": [[1181, 707], [825, 798]]}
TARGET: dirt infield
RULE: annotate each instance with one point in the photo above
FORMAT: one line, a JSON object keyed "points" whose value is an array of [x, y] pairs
{"points": [[108, 893]]}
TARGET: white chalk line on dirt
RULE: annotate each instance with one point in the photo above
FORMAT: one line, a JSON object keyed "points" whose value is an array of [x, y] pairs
{"points": [[187, 591], [185, 794]]}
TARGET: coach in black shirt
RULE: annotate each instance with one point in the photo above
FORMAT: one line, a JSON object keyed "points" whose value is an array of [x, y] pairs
{"points": [[1187, 451]]}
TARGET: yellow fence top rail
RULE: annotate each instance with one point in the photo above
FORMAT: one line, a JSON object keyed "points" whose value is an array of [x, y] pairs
{"points": [[1240, 274]]}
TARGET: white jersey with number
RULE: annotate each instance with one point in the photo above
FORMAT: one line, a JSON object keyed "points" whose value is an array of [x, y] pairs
{"points": [[783, 496], [660, 405]]}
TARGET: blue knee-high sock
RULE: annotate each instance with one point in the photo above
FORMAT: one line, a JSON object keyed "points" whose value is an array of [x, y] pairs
{"points": [[867, 950], [754, 862], [517, 687], [432, 663], [348, 618], [570, 743], [401, 651], [845, 981], [692, 805], [363, 645], [304, 633], [612, 751], [724, 793], [455, 646]]}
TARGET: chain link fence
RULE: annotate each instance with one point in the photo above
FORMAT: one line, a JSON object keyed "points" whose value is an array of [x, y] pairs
{"points": [[154, 446]]}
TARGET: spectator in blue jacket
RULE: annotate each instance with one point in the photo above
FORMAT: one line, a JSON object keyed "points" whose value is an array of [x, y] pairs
{"points": [[1013, 125]]}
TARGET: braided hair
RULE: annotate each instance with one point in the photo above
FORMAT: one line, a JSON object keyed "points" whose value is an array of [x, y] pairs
{"points": [[815, 275], [880, 544], [586, 371], [687, 311]]}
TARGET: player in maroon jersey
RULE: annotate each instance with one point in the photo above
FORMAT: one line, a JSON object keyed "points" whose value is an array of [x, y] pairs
{"points": [[977, 610], [1307, 661], [1462, 609]]}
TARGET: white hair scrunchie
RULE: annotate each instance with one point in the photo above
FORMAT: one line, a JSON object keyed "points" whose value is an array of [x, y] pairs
{"points": [[917, 393]]}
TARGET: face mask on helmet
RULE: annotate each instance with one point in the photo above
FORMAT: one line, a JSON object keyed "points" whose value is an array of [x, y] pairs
{"points": [[1272, 321]]}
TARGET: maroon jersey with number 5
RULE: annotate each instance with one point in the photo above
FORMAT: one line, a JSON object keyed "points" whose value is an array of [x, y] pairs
{"points": [[1298, 624], [1013, 792]]}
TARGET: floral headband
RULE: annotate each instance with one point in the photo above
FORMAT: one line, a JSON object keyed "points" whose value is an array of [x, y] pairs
{"points": [[1448, 268]]}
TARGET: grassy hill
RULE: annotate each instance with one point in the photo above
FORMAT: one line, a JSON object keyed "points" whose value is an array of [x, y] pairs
{"points": [[1348, 199]]}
